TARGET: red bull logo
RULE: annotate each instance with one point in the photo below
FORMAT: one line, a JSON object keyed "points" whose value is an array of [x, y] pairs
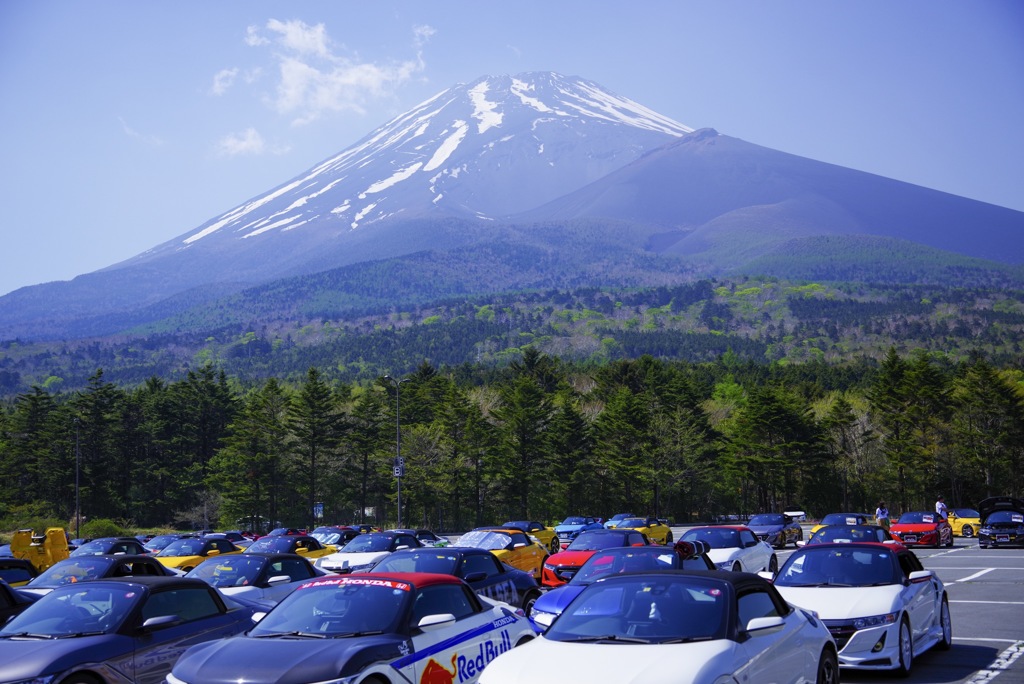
{"points": [[436, 673], [469, 667]]}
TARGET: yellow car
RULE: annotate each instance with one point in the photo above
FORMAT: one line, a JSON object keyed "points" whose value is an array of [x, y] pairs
{"points": [[658, 532], [844, 519], [511, 545], [42, 550], [185, 554], [964, 521], [547, 535], [303, 545]]}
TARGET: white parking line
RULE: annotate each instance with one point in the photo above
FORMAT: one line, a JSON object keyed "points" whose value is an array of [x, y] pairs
{"points": [[1002, 663], [970, 577], [998, 603]]}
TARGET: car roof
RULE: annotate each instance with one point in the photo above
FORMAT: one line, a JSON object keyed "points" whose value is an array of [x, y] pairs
{"points": [[150, 581], [870, 545], [739, 580]]}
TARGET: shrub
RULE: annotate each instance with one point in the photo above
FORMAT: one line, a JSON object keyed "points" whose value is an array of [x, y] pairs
{"points": [[102, 527]]}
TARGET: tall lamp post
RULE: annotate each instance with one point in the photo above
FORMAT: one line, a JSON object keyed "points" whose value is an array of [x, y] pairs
{"points": [[78, 509], [399, 467]]}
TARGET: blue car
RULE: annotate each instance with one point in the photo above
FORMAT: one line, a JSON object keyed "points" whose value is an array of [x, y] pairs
{"points": [[622, 559], [480, 568], [569, 529], [129, 629], [778, 529]]}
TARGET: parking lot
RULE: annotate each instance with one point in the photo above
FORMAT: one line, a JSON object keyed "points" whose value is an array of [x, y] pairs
{"points": [[986, 596]]}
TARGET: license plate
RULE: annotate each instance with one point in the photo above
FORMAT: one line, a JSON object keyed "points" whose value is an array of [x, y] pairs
{"points": [[912, 538], [1002, 538]]}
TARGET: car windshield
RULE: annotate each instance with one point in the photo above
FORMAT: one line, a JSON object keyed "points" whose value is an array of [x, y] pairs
{"points": [[848, 533], [633, 522], [628, 559], [966, 513], [159, 542], [72, 570], [272, 545], [917, 518], [842, 519], [74, 611], [441, 563], [1005, 517], [183, 547], [483, 539], [844, 567], [669, 608], [594, 541], [368, 543], [574, 520], [767, 519], [716, 537], [95, 547], [339, 607], [327, 536], [230, 571]]}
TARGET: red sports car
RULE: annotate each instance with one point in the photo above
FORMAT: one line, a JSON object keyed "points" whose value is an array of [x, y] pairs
{"points": [[560, 567], [919, 528]]}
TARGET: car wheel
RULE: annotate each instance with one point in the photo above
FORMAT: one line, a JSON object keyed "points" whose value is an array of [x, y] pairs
{"points": [[828, 667], [906, 649], [555, 546], [736, 567], [946, 623], [967, 531], [799, 538], [668, 538], [773, 564], [80, 678], [528, 601], [950, 542]]}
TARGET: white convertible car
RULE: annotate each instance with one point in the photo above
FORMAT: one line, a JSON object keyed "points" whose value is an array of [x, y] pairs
{"points": [[881, 606], [363, 552], [734, 547], [678, 627]]}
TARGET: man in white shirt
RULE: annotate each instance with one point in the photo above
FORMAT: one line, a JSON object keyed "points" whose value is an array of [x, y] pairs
{"points": [[940, 507]]}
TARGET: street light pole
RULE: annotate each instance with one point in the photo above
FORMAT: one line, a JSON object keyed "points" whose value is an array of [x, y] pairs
{"points": [[78, 509], [399, 468]]}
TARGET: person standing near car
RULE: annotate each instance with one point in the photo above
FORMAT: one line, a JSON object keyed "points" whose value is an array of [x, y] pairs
{"points": [[882, 515], [940, 507]]}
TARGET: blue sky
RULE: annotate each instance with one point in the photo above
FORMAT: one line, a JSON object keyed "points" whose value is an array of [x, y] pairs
{"points": [[124, 124]]}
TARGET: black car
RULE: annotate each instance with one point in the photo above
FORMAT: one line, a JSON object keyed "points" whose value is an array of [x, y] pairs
{"points": [[778, 529], [110, 545], [336, 535], [1002, 522], [128, 629], [160, 541], [13, 601], [288, 543], [258, 579], [426, 537], [86, 568], [479, 567], [16, 571]]}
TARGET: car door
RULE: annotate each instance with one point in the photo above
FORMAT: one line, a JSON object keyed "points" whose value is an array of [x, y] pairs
{"points": [[157, 648], [920, 596], [461, 649], [776, 654], [496, 583], [755, 554]]}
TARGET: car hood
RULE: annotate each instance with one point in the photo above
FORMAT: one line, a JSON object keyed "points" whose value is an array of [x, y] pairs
{"points": [[576, 558], [568, 528], [1000, 503], [27, 658], [556, 600], [765, 529], [284, 660], [843, 603], [690, 663]]}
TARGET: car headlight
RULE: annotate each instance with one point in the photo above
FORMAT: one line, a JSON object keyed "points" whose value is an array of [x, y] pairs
{"points": [[725, 565], [171, 679], [875, 621]]}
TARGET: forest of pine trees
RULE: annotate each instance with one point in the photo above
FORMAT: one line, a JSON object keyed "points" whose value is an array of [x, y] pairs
{"points": [[538, 439]]}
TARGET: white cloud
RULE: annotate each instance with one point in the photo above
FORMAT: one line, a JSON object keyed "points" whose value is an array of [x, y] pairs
{"points": [[222, 80], [315, 79], [247, 142], [152, 140]]}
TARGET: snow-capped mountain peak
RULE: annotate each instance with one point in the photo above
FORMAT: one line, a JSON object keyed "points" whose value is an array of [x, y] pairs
{"points": [[458, 154]]}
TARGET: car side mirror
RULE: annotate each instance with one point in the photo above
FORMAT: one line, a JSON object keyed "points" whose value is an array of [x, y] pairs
{"points": [[919, 576], [762, 624], [278, 579], [767, 575], [475, 576], [213, 552], [160, 622], [543, 620], [432, 622]]}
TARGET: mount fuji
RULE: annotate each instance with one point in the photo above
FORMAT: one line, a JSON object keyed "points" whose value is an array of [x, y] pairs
{"points": [[557, 164]]}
